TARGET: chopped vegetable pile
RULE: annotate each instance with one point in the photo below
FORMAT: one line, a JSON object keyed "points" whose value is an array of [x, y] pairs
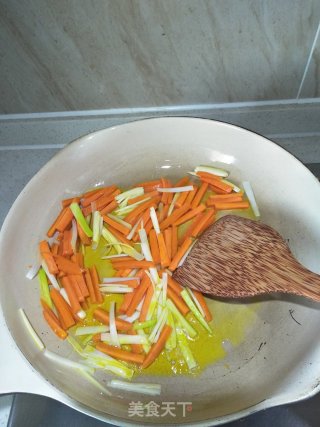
{"points": [[146, 232]]}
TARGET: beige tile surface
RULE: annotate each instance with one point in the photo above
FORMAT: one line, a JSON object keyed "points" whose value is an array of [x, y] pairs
{"points": [[81, 54]]}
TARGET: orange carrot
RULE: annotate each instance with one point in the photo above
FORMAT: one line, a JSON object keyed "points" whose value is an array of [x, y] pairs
{"points": [[103, 317], [154, 247], [231, 205], [174, 285], [103, 201], [119, 235], [79, 259], [133, 215], [83, 237], [182, 182], [157, 347], [207, 224], [143, 219], [66, 243], [54, 325], [95, 195], [174, 241], [148, 226], [120, 227], [215, 181], [109, 208], [73, 298], [126, 302], [146, 304], [67, 266], [63, 309], [65, 220], [203, 304], [95, 283], [199, 195], [90, 287], [182, 198], [132, 264], [201, 221], [135, 348], [67, 202], [53, 226], [54, 249], [142, 197], [82, 284], [191, 194], [164, 196], [191, 214], [235, 197], [178, 301], [168, 240], [125, 272], [76, 288], [138, 295], [174, 216], [118, 353], [164, 258], [46, 254], [155, 183], [162, 215], [181, 251]]}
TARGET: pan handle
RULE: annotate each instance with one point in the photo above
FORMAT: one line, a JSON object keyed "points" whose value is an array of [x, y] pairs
{"points": [[16, 374]]}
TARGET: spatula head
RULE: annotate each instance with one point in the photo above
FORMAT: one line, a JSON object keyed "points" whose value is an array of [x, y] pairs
{"points": [[239, 257]]}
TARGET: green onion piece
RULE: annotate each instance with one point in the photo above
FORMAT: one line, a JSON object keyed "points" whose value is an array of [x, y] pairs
{"points": [[93, 381], [91, 330], [143, 388], [146, 347], [30, 329], [144, 325], [194, 310], [185, 349], [97, 225], [75, 345], [75, 209], [109, 237], [44, 287], [185, 324], [172, 340], [108, 363]]}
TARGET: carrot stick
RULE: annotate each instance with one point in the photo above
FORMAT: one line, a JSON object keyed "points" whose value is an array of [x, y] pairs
{"points": [[95, 283], [83, 237], [138, 295], [65, 220], [148, 226], [109, 208], [168, 240], [157, 347], [67, 202], [218, 191], [182, 199], [66, 243], [199, 195], [201, 221], [103, 317], [174, 216], [82, 284], [182, 182], [120, 227], [133, 215], [119, 235], [126, 302], [90, 287], [73, 298], [62, 308], [79, 259], [126, 272], [164, 196], [103, 201], [231, 205], [46, 254], [181, 251], [144, 219], [135, 348], [174, 241], [67, 266], [118, 353], [132, 264], [154, 247], [216, 183], [178, 301], [95, 195], [191, 214], [174, 285], [207, 224], [143, 196], [53, 226], [162, 215], [54, 325], [233, 197], [164, 258], [54, 249], [203, 304], [191, 194], [76, 288], [154, 183], [96, 338], [146, 304]]}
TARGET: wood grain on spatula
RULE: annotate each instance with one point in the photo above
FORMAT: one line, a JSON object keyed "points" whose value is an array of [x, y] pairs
{"points": [[238, 257]]}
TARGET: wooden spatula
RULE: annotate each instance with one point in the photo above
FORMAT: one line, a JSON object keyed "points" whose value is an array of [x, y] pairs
{"points": [[237, 257]]}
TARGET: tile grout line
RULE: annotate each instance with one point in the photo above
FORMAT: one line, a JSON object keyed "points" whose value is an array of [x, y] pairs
{"points": [[308, 61]]}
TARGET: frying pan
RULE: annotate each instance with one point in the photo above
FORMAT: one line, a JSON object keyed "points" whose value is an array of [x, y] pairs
{"points": [[279, 359]]}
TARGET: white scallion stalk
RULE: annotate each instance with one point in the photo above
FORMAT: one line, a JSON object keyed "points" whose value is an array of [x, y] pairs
{"points": [[109, 237], [124, 339], [93, 381], [195, 300], [127, 209], [75, 345], [173, 203], [178, 316], [141, 388], [112, 324], [30, 329], [120, 221], [50, 276], [159, 325], [81, 314], [116, 289], [131, 318], [145, 245], [154, 300], [96, 229], [194, 310], [187, 253], [119, 279], [91, 330], [139, 306], [172, 340], [175, 189], [66, 362], [134, 229], [154, 220], [213, 170], [64, 295], [113, 256], [33, 271], [252, 200], [130, 194], [185, 349], [146, 347], [236, 189], [74, 235], [129, 250], [154, 275]]}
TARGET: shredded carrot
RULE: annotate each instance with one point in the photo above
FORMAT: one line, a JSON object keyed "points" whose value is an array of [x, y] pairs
{"points": [[181, 251], [134, 214], [215, 181], [135, 348], [142, 197], [207, 224], [164, 258], [191, 194], [164, 196], [90, 287], [120, 227], [143, 219], [233, 197], [65, 220], [82, 284], [73, 298], [54, 248], [46, 254], [201, 221], [231, 205], [199, 195], [203, 304], [118, 353], [76, 288], [109, 208], [174, 216], [119, 236], [146, 304], [67, 202], [66, 243], [168, 240], [95, 195], [83, 237], [54, 325], [103, 201], [154, 184], [182, 182], [126, 272], [182, 199], [131, 264], [174, 285], [78, 259], [191, 214], [157, 347], [126, 302], [103, 317], [67, 266], [95, 283], [162, 212], [174, 241], [53, 227], [154, 247], [63, 309], [138, 295], [178, 301]]}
